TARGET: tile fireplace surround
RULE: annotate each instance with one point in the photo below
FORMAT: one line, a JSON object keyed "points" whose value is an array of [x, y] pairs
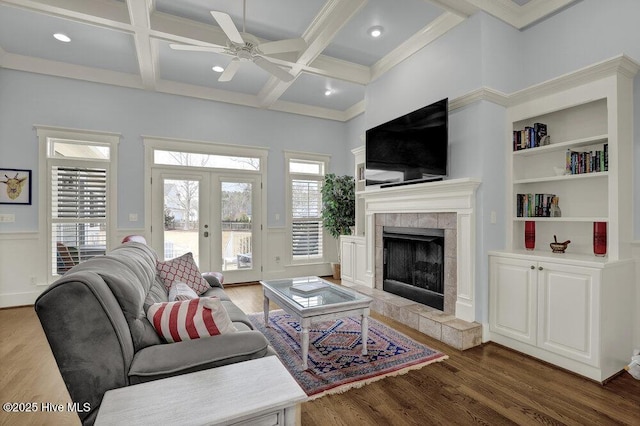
{"points": [[448, 205]]}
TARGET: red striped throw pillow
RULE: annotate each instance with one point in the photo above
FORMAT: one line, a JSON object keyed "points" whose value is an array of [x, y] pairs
{"points": [[190, 319]]}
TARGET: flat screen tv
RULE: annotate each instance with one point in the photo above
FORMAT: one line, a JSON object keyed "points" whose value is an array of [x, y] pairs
{"points": [[409, 149]]}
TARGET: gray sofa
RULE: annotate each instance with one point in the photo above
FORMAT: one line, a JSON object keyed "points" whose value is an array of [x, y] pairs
{"points": [[94, 319]]}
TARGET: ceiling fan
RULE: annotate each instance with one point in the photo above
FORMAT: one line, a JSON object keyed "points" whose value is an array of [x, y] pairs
{"points": [[245, 47]]}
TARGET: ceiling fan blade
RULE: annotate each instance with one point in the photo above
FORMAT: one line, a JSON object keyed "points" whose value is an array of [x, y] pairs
{"points": [[272, 68], [230, 70], [190, 48], [289, 45], [227, 25]]}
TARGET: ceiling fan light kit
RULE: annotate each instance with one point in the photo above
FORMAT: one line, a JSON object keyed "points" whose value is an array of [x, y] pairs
{"points": [[245, 47]]}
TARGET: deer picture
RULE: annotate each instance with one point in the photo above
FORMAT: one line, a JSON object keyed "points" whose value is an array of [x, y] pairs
{"points": [[14, 185]]}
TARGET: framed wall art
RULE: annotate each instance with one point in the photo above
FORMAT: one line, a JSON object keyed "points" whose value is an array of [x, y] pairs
{"points": [[15, 186]]}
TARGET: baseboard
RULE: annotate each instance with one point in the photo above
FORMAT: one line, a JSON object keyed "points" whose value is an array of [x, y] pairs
{"points": [[18, 299]]}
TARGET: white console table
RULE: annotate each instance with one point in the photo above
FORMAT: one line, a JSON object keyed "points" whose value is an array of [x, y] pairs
{"points": [[259, 391]]}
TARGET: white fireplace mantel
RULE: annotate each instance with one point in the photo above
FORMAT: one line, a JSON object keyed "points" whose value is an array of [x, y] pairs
{"points": [[449, 196]]}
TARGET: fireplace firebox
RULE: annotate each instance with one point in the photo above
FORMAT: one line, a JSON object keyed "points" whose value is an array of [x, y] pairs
{"points": [[414, 264]]}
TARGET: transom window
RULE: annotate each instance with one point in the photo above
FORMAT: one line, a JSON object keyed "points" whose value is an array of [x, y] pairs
{"points": [[192, 159]]}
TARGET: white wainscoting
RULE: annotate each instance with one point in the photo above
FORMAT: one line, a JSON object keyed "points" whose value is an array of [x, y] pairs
{"points": [[23, 265]]}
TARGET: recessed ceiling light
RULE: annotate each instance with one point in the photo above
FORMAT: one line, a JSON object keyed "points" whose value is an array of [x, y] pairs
{"points": [[218, 68], [328, 92], [62, 37], [376, 31]]}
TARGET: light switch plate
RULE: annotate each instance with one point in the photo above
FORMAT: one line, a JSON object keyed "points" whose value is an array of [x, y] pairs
{"points": [[7, 218]]}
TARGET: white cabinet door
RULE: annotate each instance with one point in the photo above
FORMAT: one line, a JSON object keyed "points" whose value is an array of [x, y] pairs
{"points": [[513, 302], [568, 306], [360, 262], [347, 259]]}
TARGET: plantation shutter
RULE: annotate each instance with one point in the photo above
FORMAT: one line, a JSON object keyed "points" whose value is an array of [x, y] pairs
{"points": [[306, 226], [78, 214]]}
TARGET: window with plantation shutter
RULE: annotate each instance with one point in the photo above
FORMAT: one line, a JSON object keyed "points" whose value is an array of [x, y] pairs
{"points": [[306, 226], [78, 214], [80, 169], [305, 173]]}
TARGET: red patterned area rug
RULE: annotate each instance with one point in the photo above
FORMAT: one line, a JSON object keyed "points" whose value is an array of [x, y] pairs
{"points": [[335, 361]]}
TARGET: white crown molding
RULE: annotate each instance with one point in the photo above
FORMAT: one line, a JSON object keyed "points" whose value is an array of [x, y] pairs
{"points": [[516, 15], [308, 110], [426, 35], [2, 54], [480, 94], [208, 93], [354, 110]]}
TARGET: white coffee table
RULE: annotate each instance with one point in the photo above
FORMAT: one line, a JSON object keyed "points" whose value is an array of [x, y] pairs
{"points": [[326, 302], [259, 391]]}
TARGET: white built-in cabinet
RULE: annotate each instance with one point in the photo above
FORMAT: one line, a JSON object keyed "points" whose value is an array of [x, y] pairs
{"points": [[353, 259], [353, 247], [573, 309], [575, 314]]}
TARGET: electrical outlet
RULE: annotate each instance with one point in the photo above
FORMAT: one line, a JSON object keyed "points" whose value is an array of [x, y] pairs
{"points": [[277, 216], [133, 217], [493, 217], [34, 281], [277, 259]]}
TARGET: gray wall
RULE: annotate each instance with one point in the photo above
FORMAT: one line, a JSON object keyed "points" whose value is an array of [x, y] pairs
{"points": [[28, 99]]}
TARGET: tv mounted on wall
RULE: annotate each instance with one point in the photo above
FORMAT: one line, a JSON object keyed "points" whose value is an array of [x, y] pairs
{"points": [[409, 149]]}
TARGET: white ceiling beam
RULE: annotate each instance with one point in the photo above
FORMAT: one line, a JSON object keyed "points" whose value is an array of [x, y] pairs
{"points": [[147, 62], [63, 69], [333, 16], [103, 13], [327, 66]]}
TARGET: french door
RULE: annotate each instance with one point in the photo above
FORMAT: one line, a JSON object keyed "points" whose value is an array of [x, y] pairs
{"points": [[214, 215]]}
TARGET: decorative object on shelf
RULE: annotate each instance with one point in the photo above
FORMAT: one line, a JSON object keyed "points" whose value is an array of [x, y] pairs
{"points": [[338, 209], [600, 238], [546, 140], [530, 235], [554, 210], [17, 186], [557, 247]]}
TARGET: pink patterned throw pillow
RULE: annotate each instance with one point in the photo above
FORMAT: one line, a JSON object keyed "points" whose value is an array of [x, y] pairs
{"points": [[190, 319], [183, 269]]}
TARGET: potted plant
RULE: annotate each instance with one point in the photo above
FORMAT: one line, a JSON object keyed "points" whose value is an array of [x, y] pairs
{"points": [[338, 209]]}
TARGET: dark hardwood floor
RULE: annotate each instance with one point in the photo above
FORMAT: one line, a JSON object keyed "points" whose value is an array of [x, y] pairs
{"points": [[489, 385]]}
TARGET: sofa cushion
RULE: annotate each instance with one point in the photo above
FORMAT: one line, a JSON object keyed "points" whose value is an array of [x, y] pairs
{"points": [[161, 361], [181, 291], [190, 319], [183, 269], [129, 272]]}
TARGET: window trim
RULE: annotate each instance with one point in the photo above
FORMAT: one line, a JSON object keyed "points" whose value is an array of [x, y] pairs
{"points": [[302, 156], [45, 160]]}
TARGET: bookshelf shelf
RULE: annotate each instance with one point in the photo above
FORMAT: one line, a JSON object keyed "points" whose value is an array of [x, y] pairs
{"points": [[562, 178], [561, 146], [562, 219]]}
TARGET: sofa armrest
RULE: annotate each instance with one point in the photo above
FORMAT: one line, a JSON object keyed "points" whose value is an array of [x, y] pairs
{"points": [[214, 279], [171, 359]]}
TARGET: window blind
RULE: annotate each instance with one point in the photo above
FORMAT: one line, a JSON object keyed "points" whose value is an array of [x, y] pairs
{"points": [[78, 215], [306, 238]]}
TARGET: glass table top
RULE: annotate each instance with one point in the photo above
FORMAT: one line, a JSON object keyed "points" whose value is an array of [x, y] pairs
{"points": [[309, 292]]}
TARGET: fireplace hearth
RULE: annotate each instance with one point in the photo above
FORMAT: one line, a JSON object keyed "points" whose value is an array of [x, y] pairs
{"points": [[413, 264]]}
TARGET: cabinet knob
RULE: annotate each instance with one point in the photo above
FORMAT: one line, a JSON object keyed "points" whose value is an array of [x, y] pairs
{"points": [[533, 267], [540, 268]]}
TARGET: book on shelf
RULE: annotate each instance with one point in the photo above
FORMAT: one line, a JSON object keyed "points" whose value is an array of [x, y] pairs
{"points": [[579, 162], [534, 205], [529, 137]]}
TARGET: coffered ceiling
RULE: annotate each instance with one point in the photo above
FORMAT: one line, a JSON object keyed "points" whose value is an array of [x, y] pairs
{"points": [[127, 43]]}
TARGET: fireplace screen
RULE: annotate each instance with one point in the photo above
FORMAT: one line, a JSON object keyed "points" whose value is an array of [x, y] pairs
{"points": [[414, 264]]}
